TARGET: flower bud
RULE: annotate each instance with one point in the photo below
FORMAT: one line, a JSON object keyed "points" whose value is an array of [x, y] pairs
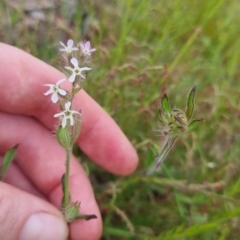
{"points": [[64, 137], [72, 211], [180, 119]]}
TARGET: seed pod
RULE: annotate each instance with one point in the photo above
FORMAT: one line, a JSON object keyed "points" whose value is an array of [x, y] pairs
{"points": [[72, 211], [64, 137]]}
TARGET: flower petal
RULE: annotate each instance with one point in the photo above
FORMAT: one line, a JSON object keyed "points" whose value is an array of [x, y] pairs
{"points": [[69, 68], [70, 43], [63, 44], [48, 92], [74, 61], [60, 81], [87, 45], [67, 105], [75, 112], [54, 98], [85, 69], [72, 78], [93, 50], [58, 114], [64, 122], [71, 120], [82, 75], [62, 92]]}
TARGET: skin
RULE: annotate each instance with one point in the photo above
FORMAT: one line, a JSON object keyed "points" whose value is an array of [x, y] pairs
{"points": [[33, 182]]}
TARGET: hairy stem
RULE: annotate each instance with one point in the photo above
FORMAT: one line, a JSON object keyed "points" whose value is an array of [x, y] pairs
{"points": [[165, 150], [66, 179]]}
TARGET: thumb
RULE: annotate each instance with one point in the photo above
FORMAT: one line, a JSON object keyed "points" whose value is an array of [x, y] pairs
{"points": [[26, 217]]}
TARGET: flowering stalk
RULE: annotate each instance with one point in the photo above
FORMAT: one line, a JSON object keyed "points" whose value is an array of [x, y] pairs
{"points": [[174, 123], [76, 60]]}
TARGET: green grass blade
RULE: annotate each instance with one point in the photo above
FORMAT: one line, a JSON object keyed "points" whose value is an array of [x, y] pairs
{"points": [[122, 233], [165, 150], [8, 158], [190, 103]]}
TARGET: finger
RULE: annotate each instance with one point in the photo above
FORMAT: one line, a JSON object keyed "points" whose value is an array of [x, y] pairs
{"points": [[42, 161], [16, 178], [21, 90], [26, 217]]}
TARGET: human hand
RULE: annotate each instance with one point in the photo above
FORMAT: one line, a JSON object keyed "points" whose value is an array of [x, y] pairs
{"points": [[29, 208]]}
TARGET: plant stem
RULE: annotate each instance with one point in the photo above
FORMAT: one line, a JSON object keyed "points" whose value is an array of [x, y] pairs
{"points": [[66, 179], [165, 150]]}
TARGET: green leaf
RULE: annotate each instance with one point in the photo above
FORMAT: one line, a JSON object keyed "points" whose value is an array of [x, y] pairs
{"points": [[165, 150], [7, 159], [194, 124], [190, 103], [165, 105]]}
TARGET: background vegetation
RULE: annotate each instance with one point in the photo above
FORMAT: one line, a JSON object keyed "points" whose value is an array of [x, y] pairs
{"points": [[147, 48]]}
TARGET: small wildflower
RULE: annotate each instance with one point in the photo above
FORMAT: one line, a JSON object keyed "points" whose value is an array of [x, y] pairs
{"points": [[86, 48], [67, 114], [76, 71], [211, 164], [69, 48], [55, 90]]}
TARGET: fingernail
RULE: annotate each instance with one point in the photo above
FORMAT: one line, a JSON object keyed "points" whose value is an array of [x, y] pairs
{"points": [[44, 226]]}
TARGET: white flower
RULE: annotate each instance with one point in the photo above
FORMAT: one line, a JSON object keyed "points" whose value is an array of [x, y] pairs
{"points": [[86, 48], [76, 70], [211, 164], [69, 48], [55, 90], [67, 114]]}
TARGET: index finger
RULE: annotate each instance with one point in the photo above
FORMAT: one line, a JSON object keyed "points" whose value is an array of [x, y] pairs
{"points": [[22, 77]]}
